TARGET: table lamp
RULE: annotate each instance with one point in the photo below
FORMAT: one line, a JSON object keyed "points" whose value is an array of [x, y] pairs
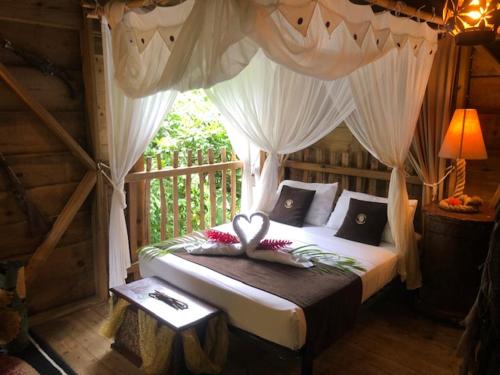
{"points": [[463, 140]]}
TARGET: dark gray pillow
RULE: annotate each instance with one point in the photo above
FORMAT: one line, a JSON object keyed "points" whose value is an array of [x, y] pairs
{"points": [[364, 222], [292, 206]]}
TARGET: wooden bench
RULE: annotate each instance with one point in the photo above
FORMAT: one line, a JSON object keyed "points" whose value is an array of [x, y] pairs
{"points": [[137, 293]]}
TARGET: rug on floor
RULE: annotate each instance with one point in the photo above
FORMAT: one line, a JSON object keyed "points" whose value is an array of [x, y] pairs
{"points": [[37, 358]]}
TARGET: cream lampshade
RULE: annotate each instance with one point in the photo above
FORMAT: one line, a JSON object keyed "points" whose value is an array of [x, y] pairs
{"points": [[463, 140]]}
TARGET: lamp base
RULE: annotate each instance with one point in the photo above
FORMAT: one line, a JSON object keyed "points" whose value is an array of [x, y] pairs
{"points": [[460, 178]]}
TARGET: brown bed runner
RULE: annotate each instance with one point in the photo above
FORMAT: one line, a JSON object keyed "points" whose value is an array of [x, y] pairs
{"points": [[330, 300]]}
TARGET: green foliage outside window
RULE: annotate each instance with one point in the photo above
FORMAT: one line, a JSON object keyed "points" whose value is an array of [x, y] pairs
{"points": [[193, 123]]}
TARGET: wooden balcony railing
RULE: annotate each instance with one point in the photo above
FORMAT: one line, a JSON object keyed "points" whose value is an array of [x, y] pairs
{"points": [[168, 199]]}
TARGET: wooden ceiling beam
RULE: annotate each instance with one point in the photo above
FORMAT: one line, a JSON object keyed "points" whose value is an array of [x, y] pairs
{"points": [[399, 7], [392, 5]]}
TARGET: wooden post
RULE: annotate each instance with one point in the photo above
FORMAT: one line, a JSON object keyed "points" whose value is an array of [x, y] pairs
{"points": [[211, 185], [320, 177], [147, 204], [163, 201], [132, 206], [305, 173], [189, 210], [202, 192], [100, 204], [372, 183], [135, 209], [359, 164], [223, 187], [281, 174], [175, 194], [331, 176], [295, 174], [344, 162], [233, 188]]}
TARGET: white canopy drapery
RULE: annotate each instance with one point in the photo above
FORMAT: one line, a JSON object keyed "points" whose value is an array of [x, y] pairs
{"points": [[198, 44], [280, 112], [388, 94], [132, 123]]}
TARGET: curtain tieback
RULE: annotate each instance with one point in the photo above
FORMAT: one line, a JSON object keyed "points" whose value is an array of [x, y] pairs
{"points": [[118, 189], [434, 185]]}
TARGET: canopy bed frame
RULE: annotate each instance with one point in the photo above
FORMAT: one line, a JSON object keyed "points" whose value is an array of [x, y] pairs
{"points": [[267, 65]]}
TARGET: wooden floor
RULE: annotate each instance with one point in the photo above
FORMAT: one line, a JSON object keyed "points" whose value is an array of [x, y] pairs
{"points": [[390, 339]]}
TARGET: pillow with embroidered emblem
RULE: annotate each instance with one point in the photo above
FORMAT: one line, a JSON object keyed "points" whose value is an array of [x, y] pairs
{"points": [[292, 206], [322, 204], [364, 222], [338, 214]]}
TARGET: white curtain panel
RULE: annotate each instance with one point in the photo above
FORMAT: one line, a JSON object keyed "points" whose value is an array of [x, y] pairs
{"points": [[388, 94], [132, 123], [279, 111], [200, 43]]}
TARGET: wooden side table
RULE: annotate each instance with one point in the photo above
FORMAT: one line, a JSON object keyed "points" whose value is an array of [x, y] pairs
{"points": [[137, 293], [454, 248]]}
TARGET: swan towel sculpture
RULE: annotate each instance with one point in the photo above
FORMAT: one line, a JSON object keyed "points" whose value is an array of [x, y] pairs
{"points": [[243, 225]]}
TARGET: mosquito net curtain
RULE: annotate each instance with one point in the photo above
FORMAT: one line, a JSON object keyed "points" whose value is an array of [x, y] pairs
{"points": [[283, 74]]}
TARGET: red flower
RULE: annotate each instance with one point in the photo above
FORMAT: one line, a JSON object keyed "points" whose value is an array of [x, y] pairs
{"points": [[228, 238], [223, 237], [268, 244], [454, 201]]}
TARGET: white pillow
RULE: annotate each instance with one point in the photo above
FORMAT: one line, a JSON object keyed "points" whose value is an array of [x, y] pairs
{"points": [[337, 217], [322, 203]]}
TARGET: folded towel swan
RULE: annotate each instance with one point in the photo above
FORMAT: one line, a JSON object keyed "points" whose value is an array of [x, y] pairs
{"points": [[243, 226], [250, 244]]}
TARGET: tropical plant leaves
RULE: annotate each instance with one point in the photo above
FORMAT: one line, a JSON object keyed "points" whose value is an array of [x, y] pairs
{"points": [[172, 245], [326, 262]]}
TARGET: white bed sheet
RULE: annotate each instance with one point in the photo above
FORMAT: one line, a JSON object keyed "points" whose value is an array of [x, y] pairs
{"points": [[258, 312]]}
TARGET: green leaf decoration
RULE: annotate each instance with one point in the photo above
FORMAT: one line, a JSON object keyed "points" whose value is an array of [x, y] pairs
{"points": [[172, 245], [319, 257]]}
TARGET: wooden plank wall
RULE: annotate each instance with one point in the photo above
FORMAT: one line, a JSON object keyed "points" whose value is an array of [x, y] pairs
{"points": [[483, 176], [50, 28]]}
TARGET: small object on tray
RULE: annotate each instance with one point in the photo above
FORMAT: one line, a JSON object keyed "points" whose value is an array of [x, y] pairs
{"points": [[175, 303], [463, 203]]}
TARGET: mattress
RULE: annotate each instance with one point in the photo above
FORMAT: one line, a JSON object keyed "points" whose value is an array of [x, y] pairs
{"points": [[258, 312]]}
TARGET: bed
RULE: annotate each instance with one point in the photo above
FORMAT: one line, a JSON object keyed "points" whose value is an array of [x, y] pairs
{"points": [[263, 314]]}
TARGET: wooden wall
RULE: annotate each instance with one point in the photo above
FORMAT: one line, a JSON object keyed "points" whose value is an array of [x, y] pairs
{"points": [[483, 93], [50, 174]]}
